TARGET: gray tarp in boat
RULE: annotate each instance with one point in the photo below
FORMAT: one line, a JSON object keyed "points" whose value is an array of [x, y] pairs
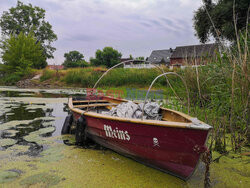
{"points": [[132, 110]]}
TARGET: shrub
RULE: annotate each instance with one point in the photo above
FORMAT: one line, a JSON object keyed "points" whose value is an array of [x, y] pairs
{"points": [[11, 79], [47, 74]]}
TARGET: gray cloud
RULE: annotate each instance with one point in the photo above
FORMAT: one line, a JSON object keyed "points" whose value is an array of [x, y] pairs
{"points": [[146, 24], [168, 21], [132, 27], [83, 38]]}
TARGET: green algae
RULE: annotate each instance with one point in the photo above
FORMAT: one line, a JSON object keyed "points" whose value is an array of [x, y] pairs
{"points": [[46, 179], [9, 114], [34, 107], [11, 133], [8, 176], [52, 154], [13, 124], [7, 142], [36, 135], [47, 124], [32, 111], [26, 94], [48, 118], [36, 100], [73, 166]]}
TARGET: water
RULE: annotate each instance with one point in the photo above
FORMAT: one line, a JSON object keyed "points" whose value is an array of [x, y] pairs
{"points": [[34, 153]]}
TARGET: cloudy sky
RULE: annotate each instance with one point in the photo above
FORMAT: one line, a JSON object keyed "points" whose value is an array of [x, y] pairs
{"points": [[131, 26]]}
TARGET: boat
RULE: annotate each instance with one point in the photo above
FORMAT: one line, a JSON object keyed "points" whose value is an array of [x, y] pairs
{"points": [[173, 144]]}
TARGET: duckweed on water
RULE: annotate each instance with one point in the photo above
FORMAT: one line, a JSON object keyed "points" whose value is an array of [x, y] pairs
{"points": [[8, 176], [44, 179], [63, 165], [52, 154]]}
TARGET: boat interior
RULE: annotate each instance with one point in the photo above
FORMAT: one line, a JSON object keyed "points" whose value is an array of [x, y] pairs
{"points": [[107, 103]]}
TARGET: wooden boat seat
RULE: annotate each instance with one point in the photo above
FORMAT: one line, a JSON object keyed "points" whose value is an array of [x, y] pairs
{"points": [[94, 105], [89, 101]]}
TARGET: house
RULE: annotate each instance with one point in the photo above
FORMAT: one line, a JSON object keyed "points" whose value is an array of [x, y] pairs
{"points": [[193, 55], [137, 64], [55, 67], [160, 56]]}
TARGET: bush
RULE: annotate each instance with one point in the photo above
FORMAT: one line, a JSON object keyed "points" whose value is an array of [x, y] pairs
{"points": [[47, 74], [87, 77], [21, 52], [11, 79]]}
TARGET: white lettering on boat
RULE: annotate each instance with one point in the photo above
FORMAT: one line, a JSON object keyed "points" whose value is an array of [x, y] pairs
{"points": [[116, 133]]}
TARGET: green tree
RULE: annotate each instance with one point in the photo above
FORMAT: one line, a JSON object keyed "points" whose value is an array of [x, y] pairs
{"points": [[74, 59], [140, 58], [20, 53], [107, 57], [221, 14], [26, 19]]}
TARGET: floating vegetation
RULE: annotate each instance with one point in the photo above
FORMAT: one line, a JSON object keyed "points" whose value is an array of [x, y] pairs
{"points": [[26, 94], [52, 154], [32, 111], [45, 179], [8, 176], [7, 142], [46, 159], [34, 107], [47, 123], [11, 133], [36, 135], [9, 114], [45, 118], [13, 124]]}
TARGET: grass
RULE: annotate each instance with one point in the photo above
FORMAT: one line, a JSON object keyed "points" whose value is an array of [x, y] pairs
{"points": [[87, 77], [47, 74]]}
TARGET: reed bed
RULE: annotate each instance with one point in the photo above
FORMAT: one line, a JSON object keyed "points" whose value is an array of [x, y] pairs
{"points": [[86, 77]]}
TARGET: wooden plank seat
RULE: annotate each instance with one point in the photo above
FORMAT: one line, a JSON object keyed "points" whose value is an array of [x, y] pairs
{"points": [[89, 101], [94, 105]]}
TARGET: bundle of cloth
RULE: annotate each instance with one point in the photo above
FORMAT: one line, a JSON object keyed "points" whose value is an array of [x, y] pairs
{"points": [[131, 110]]}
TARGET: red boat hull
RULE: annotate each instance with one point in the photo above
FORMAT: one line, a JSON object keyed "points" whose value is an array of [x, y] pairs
{"points": [[172, 150]]}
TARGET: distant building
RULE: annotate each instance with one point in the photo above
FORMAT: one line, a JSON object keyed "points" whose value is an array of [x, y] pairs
{"points": [[55, 67], [125, 59], [160, 56], [193, 55], [137, 64]]}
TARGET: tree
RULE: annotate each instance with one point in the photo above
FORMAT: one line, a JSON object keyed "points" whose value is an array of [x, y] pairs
{"points": [[107, 57], [20, 53], [140, 58], [74, 59], [221, 14], [27, 19]]}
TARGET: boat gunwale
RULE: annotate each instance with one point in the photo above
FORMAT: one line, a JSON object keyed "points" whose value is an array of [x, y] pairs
{"points": [[173, 124]]}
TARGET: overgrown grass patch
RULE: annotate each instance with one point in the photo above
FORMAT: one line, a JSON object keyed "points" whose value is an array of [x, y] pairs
{"points": [[47, 74], [87, 77]]}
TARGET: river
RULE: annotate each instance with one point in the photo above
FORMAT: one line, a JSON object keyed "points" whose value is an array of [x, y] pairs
{"points": [[33, 153]]}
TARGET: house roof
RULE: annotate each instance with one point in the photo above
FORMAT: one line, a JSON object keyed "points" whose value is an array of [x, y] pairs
{"points": [[157, 56], [195, 51]]}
